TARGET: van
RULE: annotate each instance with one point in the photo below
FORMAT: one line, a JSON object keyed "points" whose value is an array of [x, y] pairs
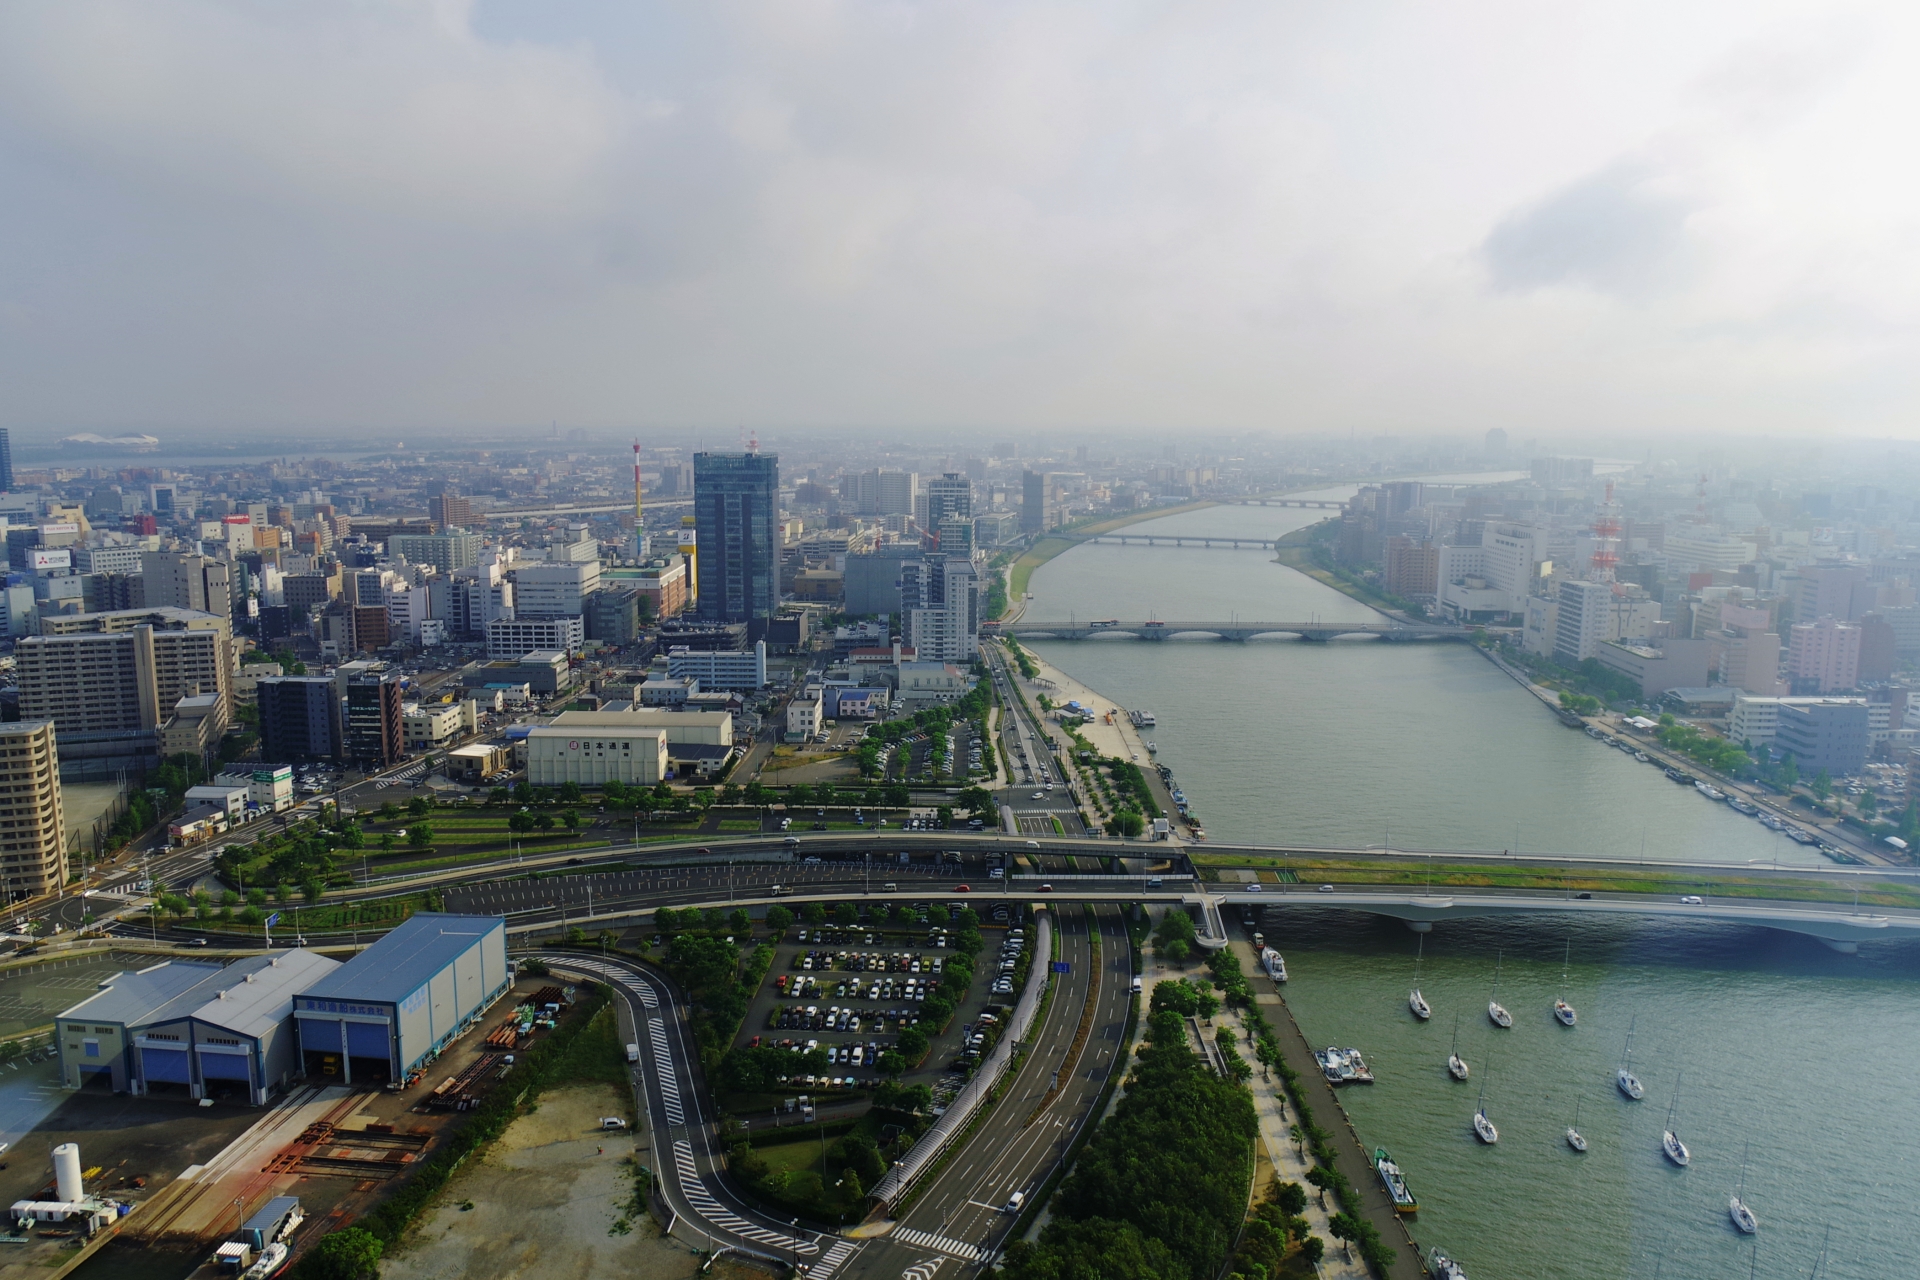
{"points": [[633, 1053], [1156, 883], [1033, 844], [1014, 1202], [1136, 986], [889, 887]]}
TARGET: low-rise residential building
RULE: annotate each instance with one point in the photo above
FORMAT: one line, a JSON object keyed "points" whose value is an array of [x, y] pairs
{"points": [[721, 668], [430, 727], [1829, 734], [804, 714], [478, 762]]}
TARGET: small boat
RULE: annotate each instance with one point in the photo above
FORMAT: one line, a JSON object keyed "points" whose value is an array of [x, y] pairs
{"points": [[1623, 1077], [271, 1259], [1710, 791], [1441, 1267], [1456, 1065], [1482, 1127], [1643, 757], [1395, 1182], [1275, 964], [1417, 1002], [1743, 1217], [1574, 1138], [1561, 1009], [1343, 1066], [1495, 1010], [1151, 749], [1738, 805], [1670, 1136]]}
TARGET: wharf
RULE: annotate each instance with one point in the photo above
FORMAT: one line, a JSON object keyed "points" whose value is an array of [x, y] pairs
{"points": [[1352, 1157]]}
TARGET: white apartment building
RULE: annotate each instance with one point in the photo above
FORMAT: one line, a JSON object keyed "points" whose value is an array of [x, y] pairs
{"points": [[1477, 583], [1701, 548], [1757, 720], [721, 668], [550, 589], [1824, 654], [804, 715], [949, 629], [1584, 621], [511, 637]]}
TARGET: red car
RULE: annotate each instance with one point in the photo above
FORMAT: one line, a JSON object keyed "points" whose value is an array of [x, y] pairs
{"points": [[961, 888]]}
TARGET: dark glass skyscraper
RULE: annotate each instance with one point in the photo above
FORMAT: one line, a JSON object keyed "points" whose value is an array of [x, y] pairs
{"points": [[736, 510], [6, 461]]}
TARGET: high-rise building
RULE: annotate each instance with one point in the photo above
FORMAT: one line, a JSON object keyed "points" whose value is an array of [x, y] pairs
{"points": [[949, 498], [299, 718], [33, 853], [612, 616], [1878, 648], [736, 505], [1823, 656], [6, 461], [446, 552], [175, 580], [448, 510], [554, 589], [1584, 620], [1412, 568], [941, 601], [1034, 515], [107, 672], [370, 730]]}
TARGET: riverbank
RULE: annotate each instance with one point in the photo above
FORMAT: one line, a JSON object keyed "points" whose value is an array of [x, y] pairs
{"points": [[1046, 547]]}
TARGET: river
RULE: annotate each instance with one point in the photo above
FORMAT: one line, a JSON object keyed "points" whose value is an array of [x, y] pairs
{"points": [[1803, 1055]]}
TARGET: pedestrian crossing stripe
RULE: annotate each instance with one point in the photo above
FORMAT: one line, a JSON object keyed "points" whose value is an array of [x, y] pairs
{"points": [[940, 1244], [834, 1259], [710, 1210]]}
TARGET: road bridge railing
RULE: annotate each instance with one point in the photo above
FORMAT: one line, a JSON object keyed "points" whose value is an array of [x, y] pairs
{"points": [[910, 1168]]}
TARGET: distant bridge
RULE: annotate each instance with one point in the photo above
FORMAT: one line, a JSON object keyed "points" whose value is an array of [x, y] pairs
{"points": [[1182, 540], [1318, 631], [1318, 504]]}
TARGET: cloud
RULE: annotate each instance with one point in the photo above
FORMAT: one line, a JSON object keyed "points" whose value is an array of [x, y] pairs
{"points": [[1608, 232], [1120, 214]]}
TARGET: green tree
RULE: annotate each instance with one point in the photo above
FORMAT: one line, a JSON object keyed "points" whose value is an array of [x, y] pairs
{"points": [[520, 821], [1789, 771], [891, 1064], [389, 812], [419, 807], [740, 922], [730, 794], [799, 794], [1822, 784], [499, 795], [846, 914], [1869, 804], [352, 1253], [570, 793], [420, 835], [313, 890], [1127, 822], [977, 801], [814, 913], [543, 822], [523, 793], [572, 820], [779, 920], [913, 1045]]}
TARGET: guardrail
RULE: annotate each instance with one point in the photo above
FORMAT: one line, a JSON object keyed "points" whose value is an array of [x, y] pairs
{"points": [[1077, 878], [908, 1170]]}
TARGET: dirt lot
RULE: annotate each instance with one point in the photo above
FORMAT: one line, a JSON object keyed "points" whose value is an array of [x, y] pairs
{"points": [[546, 1202]]}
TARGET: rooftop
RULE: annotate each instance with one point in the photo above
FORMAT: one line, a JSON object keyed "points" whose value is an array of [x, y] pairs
{"points": [[249, 996], [396, 966]]}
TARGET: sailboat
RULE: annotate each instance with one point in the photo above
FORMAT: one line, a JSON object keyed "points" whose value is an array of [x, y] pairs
{"points": [[1561, 1009], [1456, 1065], [1737, 1207], [1482, 1127], [1623, 1077], [1417, 1002], [1495, 1010], [1821, 1261], [1670, 1137], [1574, 1139]]}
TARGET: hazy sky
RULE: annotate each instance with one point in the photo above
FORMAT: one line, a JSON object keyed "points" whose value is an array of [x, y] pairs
{"points": [[1548, 215]]}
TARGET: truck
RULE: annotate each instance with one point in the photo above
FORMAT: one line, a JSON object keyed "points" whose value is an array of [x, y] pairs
{"points": [[633, 1052]]}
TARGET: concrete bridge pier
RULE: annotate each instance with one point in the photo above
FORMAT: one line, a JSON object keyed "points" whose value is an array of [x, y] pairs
{"points": [[1843, 946], [1419, 926]]}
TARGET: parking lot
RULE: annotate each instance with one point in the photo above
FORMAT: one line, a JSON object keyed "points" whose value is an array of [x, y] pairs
{"points": [[852, 991]]}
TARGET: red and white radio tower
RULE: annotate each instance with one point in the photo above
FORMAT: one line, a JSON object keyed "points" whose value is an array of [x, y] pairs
{"points": [[1606, 540]]}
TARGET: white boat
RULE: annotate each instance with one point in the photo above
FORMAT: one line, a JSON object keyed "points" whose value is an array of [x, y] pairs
{"points": [[1561, 1009], [1417, 1002], [1482, 1127], [1275, 964], [1623, 1077], [1496, 1011], [1670, 1136], [1456, 1065], [272, 1258], [1574, 1138], [1441, 1267], [1643, 757], [1710, 791], [1737, 1208]]}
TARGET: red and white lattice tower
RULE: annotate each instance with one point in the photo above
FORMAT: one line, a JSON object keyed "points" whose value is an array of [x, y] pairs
{"points": [[1606, 540]]}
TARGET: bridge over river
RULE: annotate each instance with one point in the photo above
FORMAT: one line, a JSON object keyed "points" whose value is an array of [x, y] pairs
{"points": [[1237, 629]]}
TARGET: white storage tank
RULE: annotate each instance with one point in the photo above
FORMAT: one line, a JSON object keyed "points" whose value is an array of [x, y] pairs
{"points": [[66, 1172]]}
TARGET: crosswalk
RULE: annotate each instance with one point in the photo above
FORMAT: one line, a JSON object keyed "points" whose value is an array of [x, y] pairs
{"points": [[664, 1073], [940, 1244], [835, 1258], [710, 1210], [923, 1270]]}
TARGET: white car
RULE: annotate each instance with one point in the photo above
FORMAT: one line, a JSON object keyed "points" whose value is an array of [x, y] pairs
{"points": [[1692, 900], [1326, 888]]}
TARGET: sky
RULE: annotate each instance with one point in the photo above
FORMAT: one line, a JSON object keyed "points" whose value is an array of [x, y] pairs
{"points": [[1552, 216]]}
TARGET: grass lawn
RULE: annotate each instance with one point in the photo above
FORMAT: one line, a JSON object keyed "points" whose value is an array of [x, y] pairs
{"points": [[1635, 880], [738, 824], [794, 1157]]}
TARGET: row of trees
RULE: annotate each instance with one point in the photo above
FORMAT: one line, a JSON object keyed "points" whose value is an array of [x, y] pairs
{"points": [[1161, 1189]]}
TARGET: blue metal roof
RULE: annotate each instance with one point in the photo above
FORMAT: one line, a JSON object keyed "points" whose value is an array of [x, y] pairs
{"points": [[399, 964]]}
